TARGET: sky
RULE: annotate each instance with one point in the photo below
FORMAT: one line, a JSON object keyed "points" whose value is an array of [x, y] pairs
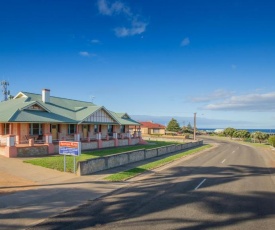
{"points": [[159, 58]]}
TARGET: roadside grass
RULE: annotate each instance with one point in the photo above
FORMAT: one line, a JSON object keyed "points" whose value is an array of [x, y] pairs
{"points": [[261, 145], [57, 161], [122, 176]]}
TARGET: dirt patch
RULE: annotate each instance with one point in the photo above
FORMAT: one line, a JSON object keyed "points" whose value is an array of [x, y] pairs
{"points": [[10, 184]]}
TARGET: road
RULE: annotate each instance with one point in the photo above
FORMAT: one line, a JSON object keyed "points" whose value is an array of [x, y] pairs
{"points": [[228, 187]]}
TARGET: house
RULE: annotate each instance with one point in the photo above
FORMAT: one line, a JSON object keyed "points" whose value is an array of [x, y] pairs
{"points": [[149, 127], [34, 120]]}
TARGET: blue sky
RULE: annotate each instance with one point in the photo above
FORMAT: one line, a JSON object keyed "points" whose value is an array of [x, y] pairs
{"points": [[156, 58]]}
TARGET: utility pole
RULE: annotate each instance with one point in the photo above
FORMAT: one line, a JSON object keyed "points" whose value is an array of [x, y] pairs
{"points": [[195, 114], [5, 90]]}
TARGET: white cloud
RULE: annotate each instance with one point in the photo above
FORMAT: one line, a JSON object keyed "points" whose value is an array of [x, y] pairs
{"points": [[216, 95], [110, 9], [136, 26], [86, 54], [185, 42], [95, 41], [250, 102]]}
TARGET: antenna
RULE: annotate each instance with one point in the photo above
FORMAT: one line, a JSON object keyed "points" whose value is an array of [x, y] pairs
{"points": [[92, 98], [5, 90]]}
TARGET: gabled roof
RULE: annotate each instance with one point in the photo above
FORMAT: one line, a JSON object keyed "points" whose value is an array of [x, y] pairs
{"points": [[151, 125], [122, 120], [29, 107]]}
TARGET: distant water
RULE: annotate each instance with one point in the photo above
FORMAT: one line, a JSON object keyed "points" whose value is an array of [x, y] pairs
{"points": [[249, 130]]}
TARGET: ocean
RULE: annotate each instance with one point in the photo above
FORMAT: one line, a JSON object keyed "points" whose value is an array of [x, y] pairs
{"points": [[249, 130]]}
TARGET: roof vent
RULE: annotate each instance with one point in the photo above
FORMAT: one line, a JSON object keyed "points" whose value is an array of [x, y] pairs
{"points": [[46, 95]]}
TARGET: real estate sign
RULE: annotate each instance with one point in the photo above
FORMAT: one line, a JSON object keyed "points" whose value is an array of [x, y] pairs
{"points": [[69, 148]]}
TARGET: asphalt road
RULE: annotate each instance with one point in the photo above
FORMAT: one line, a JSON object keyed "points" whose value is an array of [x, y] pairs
{"points": [[228, 187]]}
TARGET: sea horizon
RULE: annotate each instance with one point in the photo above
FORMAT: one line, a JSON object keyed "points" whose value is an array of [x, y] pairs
{"points": [[249, 130]]}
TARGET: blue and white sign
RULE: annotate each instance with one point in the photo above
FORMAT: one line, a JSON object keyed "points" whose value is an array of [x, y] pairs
{"points": [[69, 148]]}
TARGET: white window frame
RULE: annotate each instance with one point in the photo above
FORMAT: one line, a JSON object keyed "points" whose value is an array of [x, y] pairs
{"points": [[40, 130]]}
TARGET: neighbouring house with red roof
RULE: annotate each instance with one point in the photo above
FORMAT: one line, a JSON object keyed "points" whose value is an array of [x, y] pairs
{"points": [[149, 127]]}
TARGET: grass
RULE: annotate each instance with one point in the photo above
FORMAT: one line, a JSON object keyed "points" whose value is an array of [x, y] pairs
{"points": [[57, 161], [122, 176], [261, 145]]}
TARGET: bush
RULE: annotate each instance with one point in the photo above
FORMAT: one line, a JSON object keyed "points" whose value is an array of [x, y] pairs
{"points": [[271, 140]]}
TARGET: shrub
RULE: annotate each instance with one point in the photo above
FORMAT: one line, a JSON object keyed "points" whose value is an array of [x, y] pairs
{"points": [[271, 140]]}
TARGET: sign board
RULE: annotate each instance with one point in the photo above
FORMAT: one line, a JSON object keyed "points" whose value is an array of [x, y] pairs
{"points": [[69, 148]]}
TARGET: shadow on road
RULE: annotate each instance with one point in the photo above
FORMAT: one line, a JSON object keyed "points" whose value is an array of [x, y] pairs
{"points": [[139, 205]]}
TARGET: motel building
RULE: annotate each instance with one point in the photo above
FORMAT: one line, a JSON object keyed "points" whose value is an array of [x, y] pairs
{"points": [[33, 124]]}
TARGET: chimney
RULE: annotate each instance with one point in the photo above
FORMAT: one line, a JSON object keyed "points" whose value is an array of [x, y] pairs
{"points": [[46, 95]]}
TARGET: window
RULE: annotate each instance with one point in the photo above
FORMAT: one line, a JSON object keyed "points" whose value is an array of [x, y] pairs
{"points": [[95, 128], [155, 130], [110, 129], [71, 128], [6, 128], [122, 129], [35, 129]]}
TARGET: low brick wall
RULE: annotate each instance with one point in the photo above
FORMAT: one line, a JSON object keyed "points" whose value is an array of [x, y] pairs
{"points": [[149, 153], [32, 151], [135, 141], [172, 139], [89, 145], [2, 151], [107, 144], [101, 163], [122, 142]]}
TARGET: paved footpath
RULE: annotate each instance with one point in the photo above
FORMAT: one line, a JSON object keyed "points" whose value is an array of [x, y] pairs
{"points": [[29, 194]]}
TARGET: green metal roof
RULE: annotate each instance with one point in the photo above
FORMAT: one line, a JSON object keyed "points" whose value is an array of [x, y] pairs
{"points": [[58, 110]]}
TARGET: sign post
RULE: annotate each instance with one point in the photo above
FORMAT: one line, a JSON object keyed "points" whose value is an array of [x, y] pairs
{"points": [[69, 148]]}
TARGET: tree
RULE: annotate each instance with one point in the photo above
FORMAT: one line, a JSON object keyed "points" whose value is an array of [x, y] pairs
{"points": [[189, 126], [173, 126], [260, 136], [271, 140], [187, 129], [229, 132], [243, 134]]}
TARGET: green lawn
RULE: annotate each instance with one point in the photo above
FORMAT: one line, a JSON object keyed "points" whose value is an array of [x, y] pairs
{"points": [[121, 176], [57, 162]]}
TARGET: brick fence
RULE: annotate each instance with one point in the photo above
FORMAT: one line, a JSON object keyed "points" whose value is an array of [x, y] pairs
{"points": [[102, 163]]}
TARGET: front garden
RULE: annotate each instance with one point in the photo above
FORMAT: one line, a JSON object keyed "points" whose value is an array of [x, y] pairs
{"points": [[57, 161]]}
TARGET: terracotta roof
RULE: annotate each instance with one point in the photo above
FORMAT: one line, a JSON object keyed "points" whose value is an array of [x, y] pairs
{"points": [[151, 125]]}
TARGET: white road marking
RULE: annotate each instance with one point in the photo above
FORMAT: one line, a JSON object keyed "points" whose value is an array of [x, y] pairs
{"points": [[200, 184], [223, 161]]}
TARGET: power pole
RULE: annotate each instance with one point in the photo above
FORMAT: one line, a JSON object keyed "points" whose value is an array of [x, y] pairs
{"points": [[195, 114], [5, 90]]}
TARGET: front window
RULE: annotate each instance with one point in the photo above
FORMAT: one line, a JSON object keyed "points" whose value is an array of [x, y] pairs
{"points": [[35, 129], [155, 130], [6, 128], [110, 129], [95, 128], [71, 128], [122, 129]]}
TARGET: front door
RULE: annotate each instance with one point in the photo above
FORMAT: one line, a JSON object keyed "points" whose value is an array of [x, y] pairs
{"points": [[54, 131], [85, 131]]}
